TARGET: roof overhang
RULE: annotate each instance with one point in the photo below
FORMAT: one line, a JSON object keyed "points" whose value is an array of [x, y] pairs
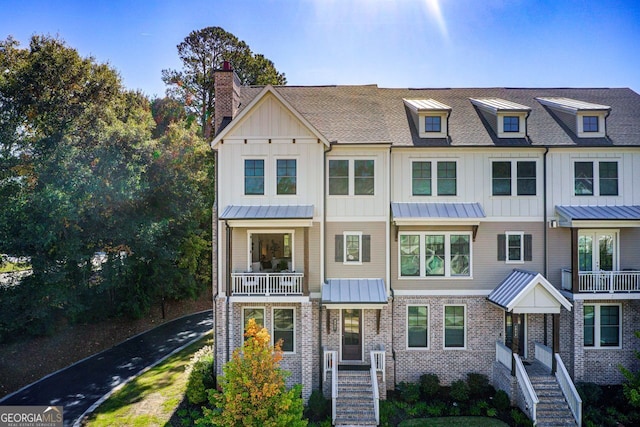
{"points": [[528, 292], [268, 216], [354, 293], [246, 111], [598, 216], [437, 213]]}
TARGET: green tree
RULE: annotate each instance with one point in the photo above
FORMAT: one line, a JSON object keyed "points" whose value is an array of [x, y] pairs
{"points": [[631, 387], [253, 388], [204, 51]]}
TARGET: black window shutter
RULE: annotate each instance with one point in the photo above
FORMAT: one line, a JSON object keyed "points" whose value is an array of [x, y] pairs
{"points": [[339, 248], [528, 247], [366, 248], [502, 242]]}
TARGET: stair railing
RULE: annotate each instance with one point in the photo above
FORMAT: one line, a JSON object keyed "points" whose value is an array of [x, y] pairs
{"points": [[544, 354], [526, 388], [331, 367], [569, 390], [374, 386]]}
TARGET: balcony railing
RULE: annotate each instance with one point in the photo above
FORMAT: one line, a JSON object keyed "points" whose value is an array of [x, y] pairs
{"points": [[267, 284], [603, 281]]}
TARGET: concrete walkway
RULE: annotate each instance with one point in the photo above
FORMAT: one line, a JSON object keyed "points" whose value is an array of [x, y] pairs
{"points": [[82, 385]]}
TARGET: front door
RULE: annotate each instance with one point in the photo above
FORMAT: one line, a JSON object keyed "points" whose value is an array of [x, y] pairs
{"points": [[517, 334], [597, 251], [351, 334]]}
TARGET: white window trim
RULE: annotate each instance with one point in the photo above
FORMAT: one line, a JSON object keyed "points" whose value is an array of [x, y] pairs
{"points": [[443, 125], [434, 177], [264, 177], [244, 309], [597, 326], [506, 242], [344, 247], [273, 325], [522, 119], [444, 326], [447, 255], [272, 231], [602, 132], [595, 164], [351, 177], [428, 328], [275, 175], [514, 176]]}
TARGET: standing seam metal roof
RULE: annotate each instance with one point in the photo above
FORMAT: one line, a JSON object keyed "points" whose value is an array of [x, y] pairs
{"points": [[437, 210], [356, 291], [267, 212], [509, 289], [604, 213]]}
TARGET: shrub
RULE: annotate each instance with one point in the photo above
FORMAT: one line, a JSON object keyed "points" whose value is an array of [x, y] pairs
{"points": [[201, 376], [479, 386], [437, 409], [418, 410], [409, 392], [390, 413], [479, 408], [589, 392], [501, 401], [318, 408], [520, 419], [454, 411], [459, 391], [429, 385]]}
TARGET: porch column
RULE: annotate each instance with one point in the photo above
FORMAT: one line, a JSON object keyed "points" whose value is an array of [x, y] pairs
{"points": [[575, 285], [556, 342], [515, 339], [306, 349], [305, 278]]}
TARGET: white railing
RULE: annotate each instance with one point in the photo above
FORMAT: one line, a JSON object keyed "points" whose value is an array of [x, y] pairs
{"points": [[503, 354], [603, 281], [331, 366], [529, 394], [378, 362], [267, 283], [569, 390], [374, 385], [544, 354]]}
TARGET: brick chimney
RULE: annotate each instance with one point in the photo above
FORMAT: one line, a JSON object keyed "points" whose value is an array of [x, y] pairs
{"points": [[227, 92]]}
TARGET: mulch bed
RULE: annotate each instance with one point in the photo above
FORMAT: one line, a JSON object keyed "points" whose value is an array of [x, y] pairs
{"points": [[25, 361]]}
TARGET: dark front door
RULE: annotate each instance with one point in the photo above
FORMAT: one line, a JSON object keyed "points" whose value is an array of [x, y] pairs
{"points": [[515, 335], [351, 334]]}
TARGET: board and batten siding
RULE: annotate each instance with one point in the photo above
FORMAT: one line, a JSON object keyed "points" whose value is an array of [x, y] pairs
{"points": [[315, 264], [352, 207], [561, 188], [487, 272], [474, 179], [374, 269]]}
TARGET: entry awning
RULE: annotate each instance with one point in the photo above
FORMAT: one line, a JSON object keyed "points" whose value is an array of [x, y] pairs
{"points": [[261, 215], [528, 292], [437, 213], [354, 293], [599, 216]]}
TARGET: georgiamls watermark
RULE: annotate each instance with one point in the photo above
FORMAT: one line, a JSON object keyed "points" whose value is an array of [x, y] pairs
{"points": [[31, 416]]}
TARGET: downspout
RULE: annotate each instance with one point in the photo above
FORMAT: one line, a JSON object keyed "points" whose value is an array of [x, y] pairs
{"points": [[214, 258], [324, 263], [545, 228], [227, 275]]}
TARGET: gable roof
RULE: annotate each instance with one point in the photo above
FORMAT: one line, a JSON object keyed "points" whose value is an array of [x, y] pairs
{"points": [[528, 292], [369, 114]]}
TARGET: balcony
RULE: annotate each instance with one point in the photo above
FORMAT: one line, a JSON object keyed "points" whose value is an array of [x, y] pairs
{"points": [[625, 281], [267, 284]]}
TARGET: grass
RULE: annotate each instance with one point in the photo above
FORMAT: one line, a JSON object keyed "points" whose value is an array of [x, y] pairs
{"points": [[152, 398], [10, 267], [453, 421]]}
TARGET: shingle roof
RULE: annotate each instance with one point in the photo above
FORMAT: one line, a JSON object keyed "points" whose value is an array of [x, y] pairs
{"points": [[267, 212], [368, 114], [354, 291]]}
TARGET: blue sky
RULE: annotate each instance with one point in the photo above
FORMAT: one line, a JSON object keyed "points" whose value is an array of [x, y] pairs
{"points": [[401, 43]]}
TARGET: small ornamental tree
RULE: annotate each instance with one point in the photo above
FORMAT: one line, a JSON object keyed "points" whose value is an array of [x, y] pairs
{"points": [[631, 387], [253, 388]]}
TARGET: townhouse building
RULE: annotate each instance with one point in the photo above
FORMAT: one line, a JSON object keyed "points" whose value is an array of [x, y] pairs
{"points": [[386, 233]]}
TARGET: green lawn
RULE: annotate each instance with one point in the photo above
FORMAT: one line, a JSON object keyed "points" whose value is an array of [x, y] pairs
{"points": [[151, 398], [453, 421]]}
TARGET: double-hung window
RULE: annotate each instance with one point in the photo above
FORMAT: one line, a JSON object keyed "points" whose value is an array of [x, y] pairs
{"points": [[254, 177], [284, 328], [352, 247], [355, 177], [435, 254], [454, 326], [515, 247], [418, 326], [447, 178], [421, 178], [503, 172], [602, 325], [590, 180], [256, 314], [286, 176]]}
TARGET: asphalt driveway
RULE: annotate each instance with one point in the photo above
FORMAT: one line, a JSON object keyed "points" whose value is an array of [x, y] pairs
{"points": [[81, 385]]}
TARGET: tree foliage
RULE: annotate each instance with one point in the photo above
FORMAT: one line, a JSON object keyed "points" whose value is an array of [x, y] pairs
{"points": [[111, 219], [253, 388], [204, 51], [631, 387]]}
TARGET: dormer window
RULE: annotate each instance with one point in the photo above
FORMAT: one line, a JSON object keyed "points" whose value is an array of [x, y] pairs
{"points": [[585, 119], [429, 116], [507, 119]]}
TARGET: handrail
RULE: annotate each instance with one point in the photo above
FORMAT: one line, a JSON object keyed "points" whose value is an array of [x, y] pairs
{"points": [[526, 387], [503, 354], [374, 386], [603, 281], [569, 390], [378, 361], [284, 283], [544, 354], [331, 366]]}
